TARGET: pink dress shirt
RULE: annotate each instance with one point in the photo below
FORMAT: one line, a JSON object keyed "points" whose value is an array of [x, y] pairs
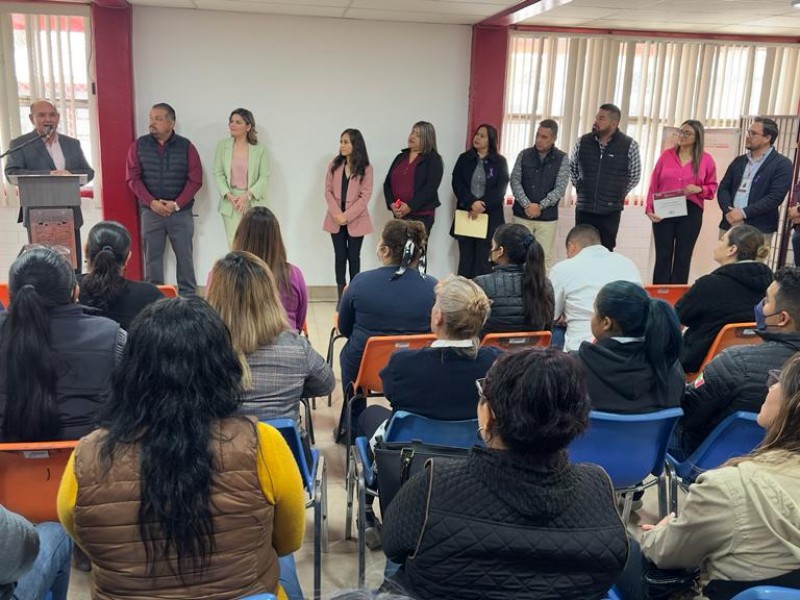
{"points": [[669, 175]]}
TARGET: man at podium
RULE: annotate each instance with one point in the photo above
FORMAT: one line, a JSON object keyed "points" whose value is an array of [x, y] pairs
{"points": [[48, 152]]}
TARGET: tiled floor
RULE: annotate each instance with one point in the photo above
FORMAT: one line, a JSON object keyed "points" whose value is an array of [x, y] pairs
{"points": [[340, 564]]}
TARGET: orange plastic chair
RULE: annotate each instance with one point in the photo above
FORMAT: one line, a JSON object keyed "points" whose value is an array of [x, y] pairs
{"points": [[368, 384], [517, 340], [733, 334], [671, 293], [4, 294], [30, 473], [170, 291]]}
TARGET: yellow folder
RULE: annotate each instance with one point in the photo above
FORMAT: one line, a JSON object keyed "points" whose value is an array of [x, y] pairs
{"points": [[474, 228]]}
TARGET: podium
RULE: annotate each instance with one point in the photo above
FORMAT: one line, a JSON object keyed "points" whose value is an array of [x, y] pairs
{"points": [[48, 202]]}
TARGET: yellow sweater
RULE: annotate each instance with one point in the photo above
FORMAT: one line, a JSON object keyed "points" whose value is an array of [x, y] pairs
{"points": [[280, 483]]}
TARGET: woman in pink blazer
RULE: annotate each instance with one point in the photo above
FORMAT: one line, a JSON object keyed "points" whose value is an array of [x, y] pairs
{"points": [[348, 189]]}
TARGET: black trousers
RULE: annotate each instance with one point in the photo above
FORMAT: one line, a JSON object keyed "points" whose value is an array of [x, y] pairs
{"points": [[473, 256], [426, 220], [674, 241], [346, 251], [607, 225]]}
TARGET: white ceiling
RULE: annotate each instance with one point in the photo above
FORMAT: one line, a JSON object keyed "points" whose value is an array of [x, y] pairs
{"points": [[753, 17]]}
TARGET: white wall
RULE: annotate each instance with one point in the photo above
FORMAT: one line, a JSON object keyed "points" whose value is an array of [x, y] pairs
{"points": [[305, 79]]}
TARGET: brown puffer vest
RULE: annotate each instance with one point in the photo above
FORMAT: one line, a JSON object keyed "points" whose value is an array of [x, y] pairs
{"points": [[106, 523]]}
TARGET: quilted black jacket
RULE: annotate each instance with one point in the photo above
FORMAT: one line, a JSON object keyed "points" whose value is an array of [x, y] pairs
{"points": [[495, 526], [503, 286]]}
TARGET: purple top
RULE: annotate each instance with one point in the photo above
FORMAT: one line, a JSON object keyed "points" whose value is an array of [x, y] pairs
{"points": [[295, 298]]}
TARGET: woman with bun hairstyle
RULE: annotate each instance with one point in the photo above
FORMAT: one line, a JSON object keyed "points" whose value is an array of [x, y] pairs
{"points": [[411, 187], [521, 295], [108, 249], [726, 295], [480, 179], [393, 299], [348, 189], [689, 171], [633, 366], [241, 170]]}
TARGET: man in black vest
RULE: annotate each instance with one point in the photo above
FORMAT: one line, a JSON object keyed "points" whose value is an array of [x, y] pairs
{"points": [[164, 171], [538, 181], [605, 167]]}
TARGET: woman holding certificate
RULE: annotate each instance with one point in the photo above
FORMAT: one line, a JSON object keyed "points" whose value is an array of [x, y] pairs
{"points": [[480, 179], [684, 177]]}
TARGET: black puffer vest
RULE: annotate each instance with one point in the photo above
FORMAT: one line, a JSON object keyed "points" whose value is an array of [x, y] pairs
{"points": [[604, 176], [164, 174], [499, 527], [538, 179]]}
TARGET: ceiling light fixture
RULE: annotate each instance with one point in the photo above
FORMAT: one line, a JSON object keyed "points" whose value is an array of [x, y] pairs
{"points": [[796, 3]]}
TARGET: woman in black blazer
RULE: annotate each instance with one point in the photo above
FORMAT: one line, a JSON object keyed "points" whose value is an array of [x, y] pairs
{"points": [[412, 184], [480, 179]]}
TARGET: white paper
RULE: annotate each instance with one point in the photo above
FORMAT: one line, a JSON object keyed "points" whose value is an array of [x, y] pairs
{"points": [[669, 206]]}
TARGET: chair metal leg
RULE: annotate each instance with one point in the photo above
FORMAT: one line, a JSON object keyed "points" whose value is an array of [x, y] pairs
{"points": [[349, 493], [318, 526], [627, 506], [325, 545], [362, 523], [663, 496], [673, 488], [309, 420], [329, 357]]}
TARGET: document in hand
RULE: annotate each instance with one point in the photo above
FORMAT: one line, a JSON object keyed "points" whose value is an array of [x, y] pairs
{"points": [[669, 204], [474, 228]]}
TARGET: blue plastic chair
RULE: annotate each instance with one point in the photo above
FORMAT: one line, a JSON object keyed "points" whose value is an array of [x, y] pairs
{"points": [[315, 481], [613, 594], [737, 435], [260, 597], [403, 427], [768, 592], [629, 448]]}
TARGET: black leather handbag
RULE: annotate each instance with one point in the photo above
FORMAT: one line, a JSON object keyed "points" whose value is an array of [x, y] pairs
{"points": [[397, 462]]}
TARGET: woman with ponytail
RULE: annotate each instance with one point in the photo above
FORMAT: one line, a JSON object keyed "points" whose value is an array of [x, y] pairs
{"points": [[633, 366], [394, 299], [55, 360], [521, 294], [108, 249]]}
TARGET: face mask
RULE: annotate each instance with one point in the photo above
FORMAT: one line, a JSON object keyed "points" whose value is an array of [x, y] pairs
{"points": [[761, 318]]}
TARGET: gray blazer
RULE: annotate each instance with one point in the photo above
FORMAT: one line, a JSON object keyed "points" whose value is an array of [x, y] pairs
{"points": [[36, 160]]}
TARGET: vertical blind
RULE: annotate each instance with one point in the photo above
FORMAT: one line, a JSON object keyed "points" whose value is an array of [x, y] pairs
{"points": [[655, 83]]}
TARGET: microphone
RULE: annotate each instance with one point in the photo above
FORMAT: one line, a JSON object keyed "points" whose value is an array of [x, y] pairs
{"points": [[48, 129]]}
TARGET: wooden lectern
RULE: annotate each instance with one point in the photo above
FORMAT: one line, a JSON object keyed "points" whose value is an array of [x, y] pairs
{"points": [[47, 202]]}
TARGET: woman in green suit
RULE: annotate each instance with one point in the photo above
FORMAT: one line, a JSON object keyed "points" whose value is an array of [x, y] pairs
{"points": [[241, 170]]}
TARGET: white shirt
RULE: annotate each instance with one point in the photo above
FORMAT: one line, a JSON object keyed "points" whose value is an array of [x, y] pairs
{"points": [[56, 153], [576, 282]]}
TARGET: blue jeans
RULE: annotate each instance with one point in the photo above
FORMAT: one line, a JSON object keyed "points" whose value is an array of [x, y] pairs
{"points": [[51, 570], [288, 578]]}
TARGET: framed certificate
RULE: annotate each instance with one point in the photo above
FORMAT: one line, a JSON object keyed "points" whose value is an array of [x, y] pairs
{"points": [[669, 204]]}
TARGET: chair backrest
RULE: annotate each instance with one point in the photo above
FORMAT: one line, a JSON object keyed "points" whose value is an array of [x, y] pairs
{"points": [[376, 356], [669, 293], [405, 426], [290, 433], [516, 340], [170, 291], [628, 447], [733, 334], [260, 597], [736, 436], [4, 297], [30, 474], [768, 592]]}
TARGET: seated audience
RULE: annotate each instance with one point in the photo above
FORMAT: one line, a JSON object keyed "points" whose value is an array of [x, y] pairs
{"points": [[55, 360], [633, 366], [108, 249], [33, 560], [736, 379], [515, 519], [201, 502], [576, 281], [279, 365], [726, 295], [394, 299], [521, 295], [260, 233], [741, 522], [439, 382]]}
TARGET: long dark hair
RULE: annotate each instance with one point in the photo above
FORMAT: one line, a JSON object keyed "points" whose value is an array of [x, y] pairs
{"points": [[107, 249], [699, 143], [260, 233], [38, 280], [638, 315], [521, 248], [491, 133], [178, 374], [359, 159]]}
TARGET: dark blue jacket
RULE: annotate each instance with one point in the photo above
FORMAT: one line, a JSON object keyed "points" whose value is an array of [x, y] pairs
{"points": [[496, 169], [767, 191]]}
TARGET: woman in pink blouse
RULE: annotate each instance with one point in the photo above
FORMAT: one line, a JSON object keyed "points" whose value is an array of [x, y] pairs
{"points": [[348, 189], [687, 171]]}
